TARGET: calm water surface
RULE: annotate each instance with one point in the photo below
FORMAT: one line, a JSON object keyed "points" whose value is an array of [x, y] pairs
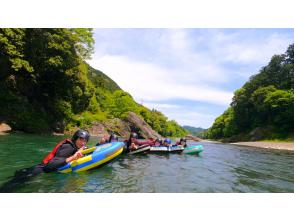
{"points": [[220, 168]]}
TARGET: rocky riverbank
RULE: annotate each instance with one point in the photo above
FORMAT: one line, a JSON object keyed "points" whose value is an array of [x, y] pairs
{"points": [[269, 145]]}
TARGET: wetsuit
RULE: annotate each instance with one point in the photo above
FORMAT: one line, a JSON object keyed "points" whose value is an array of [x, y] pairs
{"points": [[136, 142], [64, 151], [179, 143]]}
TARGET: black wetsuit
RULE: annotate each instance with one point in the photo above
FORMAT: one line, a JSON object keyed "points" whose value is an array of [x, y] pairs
{"points": [[64, 151]]}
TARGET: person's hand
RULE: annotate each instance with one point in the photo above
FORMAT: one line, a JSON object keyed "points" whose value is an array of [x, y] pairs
{"points": [[76, 156], [133, 146]]}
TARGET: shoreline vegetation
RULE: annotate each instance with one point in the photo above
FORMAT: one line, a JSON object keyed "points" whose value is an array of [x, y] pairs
{"points": [[263, 108], [48, 87]]}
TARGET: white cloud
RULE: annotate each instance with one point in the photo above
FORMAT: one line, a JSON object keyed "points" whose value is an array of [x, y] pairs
{"points": [[184, 116], [193, 119], [148, 82], [159, 65], [255, 50]]}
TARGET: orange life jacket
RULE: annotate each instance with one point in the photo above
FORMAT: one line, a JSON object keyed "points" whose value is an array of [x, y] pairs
{"points": [[53, 152]]}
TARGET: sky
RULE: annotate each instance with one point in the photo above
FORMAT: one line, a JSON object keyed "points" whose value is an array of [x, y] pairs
{"points": [[190, 75]]}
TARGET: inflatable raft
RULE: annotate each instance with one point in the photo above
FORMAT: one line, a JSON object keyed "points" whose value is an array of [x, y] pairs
{"points": [[94, 157], [163, 149], [141, 149], [193, 149]]}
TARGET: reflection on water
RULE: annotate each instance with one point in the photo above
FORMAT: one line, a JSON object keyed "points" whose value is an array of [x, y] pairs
{"points": [[220, 168]]}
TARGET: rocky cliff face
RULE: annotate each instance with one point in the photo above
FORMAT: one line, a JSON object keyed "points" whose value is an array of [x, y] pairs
{"points": [[123, 128], [135, 123]]}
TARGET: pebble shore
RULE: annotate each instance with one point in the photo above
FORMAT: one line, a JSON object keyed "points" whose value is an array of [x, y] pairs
{"points": [[269, 145]]}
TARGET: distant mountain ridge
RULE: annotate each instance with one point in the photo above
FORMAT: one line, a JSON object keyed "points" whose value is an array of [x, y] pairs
{"points": [[194, 130]]}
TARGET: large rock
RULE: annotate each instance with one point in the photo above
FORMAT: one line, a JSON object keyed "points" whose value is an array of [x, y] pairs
{"points": [[4, 128], [123, 128], [138, 124], [118, 126]]}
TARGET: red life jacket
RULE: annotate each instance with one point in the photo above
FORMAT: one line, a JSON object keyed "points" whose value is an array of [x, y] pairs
{"points": [[53, 152]]}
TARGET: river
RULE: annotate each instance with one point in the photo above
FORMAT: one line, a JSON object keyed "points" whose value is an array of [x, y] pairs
{"points": [[219, 168]]}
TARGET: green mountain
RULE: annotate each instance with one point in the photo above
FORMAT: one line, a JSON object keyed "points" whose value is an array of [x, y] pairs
{"points": [[46, 85], [193, 130], [101, 80], [264, 107]]}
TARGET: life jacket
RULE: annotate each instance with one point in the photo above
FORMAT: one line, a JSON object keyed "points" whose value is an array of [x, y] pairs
{"points": [[53, 152]]}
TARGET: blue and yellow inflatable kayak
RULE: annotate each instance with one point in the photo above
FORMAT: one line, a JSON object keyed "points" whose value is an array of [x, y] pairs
{"points": [[94, 157]]}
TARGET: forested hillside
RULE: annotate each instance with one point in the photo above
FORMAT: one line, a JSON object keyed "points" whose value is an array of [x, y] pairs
{"points": [[263, 107], [46, 85]]}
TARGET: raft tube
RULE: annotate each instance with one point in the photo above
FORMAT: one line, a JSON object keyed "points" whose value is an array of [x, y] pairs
{"points": [[193, 149], [141, 149], [164, 149], [94, 157]]}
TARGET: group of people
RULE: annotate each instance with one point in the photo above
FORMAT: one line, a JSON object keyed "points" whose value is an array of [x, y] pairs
{"points": [[133, 143], [71, 149]]}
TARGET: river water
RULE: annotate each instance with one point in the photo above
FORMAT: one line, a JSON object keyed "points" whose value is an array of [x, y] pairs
{"points": [[219, 168]]}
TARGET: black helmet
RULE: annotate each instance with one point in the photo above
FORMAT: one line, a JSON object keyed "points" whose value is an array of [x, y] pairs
{"points": [[134, 135], [81, 134], [183, 139]]}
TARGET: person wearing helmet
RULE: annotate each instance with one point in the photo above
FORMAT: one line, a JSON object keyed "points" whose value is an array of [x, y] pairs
{"points": [[66, 151], [167, 142], [158, 142], [182, 142], [133, 144]]}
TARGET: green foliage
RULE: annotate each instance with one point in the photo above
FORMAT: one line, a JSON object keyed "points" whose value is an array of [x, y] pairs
{"points": [[161, 124], [266, 101], [47, 85], [44, 68], [122, 104], [101, 81], [86, 119]]}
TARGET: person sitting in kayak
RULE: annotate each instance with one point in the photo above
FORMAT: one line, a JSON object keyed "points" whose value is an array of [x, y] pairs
{"points": [[66, 151], [133, 144], [182, 142], [167, 142], [158, 142]]}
